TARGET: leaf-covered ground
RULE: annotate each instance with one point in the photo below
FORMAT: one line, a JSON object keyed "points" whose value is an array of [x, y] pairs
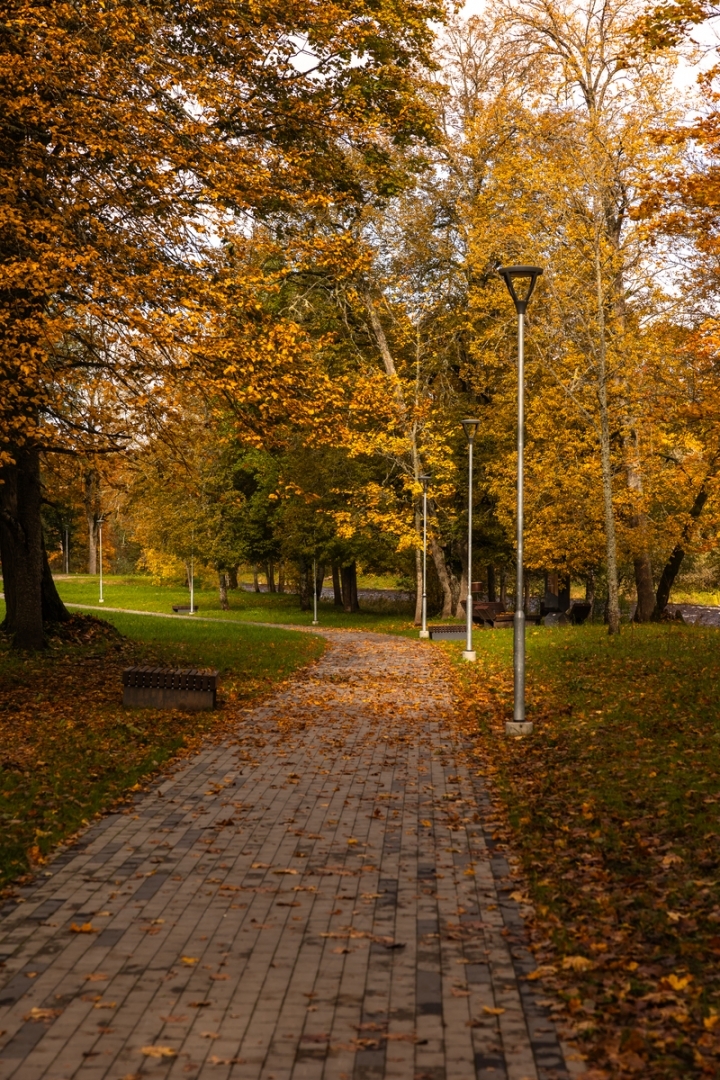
{"points": [[68, 747], [614, 805]]}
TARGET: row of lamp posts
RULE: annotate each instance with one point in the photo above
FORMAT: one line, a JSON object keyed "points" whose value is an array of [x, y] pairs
{"points": [[525, 278]]}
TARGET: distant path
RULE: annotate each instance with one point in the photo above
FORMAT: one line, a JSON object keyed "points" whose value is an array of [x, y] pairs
{"points": [[315, 899]]}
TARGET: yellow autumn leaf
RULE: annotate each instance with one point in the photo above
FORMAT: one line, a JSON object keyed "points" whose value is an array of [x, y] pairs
{"points": [[159, 1051], [576, 963], [490, 1011], [189, 960]]}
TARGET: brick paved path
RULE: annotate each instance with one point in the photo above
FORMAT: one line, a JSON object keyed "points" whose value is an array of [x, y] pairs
{"points": [[315, 899]]}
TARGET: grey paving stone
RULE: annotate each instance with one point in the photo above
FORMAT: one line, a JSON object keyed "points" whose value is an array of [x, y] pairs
{"points": [[298, 903]]}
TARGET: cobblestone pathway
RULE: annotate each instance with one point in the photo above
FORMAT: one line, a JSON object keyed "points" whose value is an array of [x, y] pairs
{"points": [[314, 899]]}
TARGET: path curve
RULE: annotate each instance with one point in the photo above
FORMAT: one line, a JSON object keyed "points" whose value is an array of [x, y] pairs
{"points": [[314, 899]]}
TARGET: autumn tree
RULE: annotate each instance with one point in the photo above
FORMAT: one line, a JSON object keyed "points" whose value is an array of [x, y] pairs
{"points": [[127, 134]]}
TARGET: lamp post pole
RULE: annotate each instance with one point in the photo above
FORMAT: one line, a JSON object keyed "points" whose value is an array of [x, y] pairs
{"points": [[67, 549], [192, 573], [424, 633], [100, 525], [529, 275], [469, 654]]}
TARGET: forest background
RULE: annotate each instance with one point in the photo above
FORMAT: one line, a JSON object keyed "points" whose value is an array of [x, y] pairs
{"points": [[248, 291]]}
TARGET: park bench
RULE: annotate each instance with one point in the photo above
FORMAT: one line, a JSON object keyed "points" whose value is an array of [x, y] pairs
{"points": [[185, 607], [169, 688]]}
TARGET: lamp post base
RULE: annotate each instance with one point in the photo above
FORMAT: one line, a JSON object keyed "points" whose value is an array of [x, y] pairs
{"points": [[470, 655], [518, 727], [424, 634]]}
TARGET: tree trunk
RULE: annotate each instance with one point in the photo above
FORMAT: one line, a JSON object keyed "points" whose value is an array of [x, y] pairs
{"points": [[644, 588], [232, 577], [337, 587], [53, 609], [605, 451], [349, 588], [418, 570], [92, 516], [256, 581], [590, 591], [564, 594], [462, 592], [319, 579], [503, 588], [672, 566], [353, 580], [270, 575], [222, 589], [281, 577], [21, 550], [305, 587], [491, 584], [442, 572]]}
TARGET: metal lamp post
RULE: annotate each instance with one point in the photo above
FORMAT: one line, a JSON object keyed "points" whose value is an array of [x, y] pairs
{"points": [[100, 525], [192, 573], [424, 479], [525, 277], [471, 427]]}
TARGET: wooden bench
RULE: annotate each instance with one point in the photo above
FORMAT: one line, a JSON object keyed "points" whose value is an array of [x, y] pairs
{"points": [[185, 607], [169, 688]]}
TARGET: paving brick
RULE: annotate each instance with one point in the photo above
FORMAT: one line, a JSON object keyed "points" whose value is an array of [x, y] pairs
{"points": [[314, 899]]}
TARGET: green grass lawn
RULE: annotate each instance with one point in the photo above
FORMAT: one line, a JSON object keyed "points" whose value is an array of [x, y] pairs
{"points": [[614, 806], [68, 747], [139, 593]]}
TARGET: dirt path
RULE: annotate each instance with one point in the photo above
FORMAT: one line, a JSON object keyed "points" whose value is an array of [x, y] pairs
{"points": [[314, 899]]}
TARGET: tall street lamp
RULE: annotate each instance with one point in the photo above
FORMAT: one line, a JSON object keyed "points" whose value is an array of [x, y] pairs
{"points": [[424, 479], [525, 277], [100, 525], [471, 427]]}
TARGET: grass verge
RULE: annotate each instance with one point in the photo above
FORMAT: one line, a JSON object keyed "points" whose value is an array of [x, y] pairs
{"points": [[68, 747], [613, 805], [141, 594]]}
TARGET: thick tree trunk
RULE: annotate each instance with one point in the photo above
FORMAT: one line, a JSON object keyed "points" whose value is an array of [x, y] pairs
{"points": [[503, 587], [222, 590], [337, 587], [256, 580], [53, 609], [442, 572], [92, 516], [491, 584], [672, 566], [281, 577], [232, 575], [644, 588], [21, 550], [349, 588]]}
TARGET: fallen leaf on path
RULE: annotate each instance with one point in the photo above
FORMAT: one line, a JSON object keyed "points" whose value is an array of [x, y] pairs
{"points": [[105, 1005], [42, 1014], [489, 1010], [97, 976], [286, 871], [159, 1051], [189, 960], [83, 928], [200, 1004], [215, 1060], [210, 1034]]}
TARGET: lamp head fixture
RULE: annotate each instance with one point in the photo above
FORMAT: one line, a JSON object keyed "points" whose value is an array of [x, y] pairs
{"points": [[471, 427], [424, 479], [526, 277]]}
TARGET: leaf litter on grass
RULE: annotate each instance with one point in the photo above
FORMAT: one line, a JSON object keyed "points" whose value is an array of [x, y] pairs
{"points": [[611, 804]]}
